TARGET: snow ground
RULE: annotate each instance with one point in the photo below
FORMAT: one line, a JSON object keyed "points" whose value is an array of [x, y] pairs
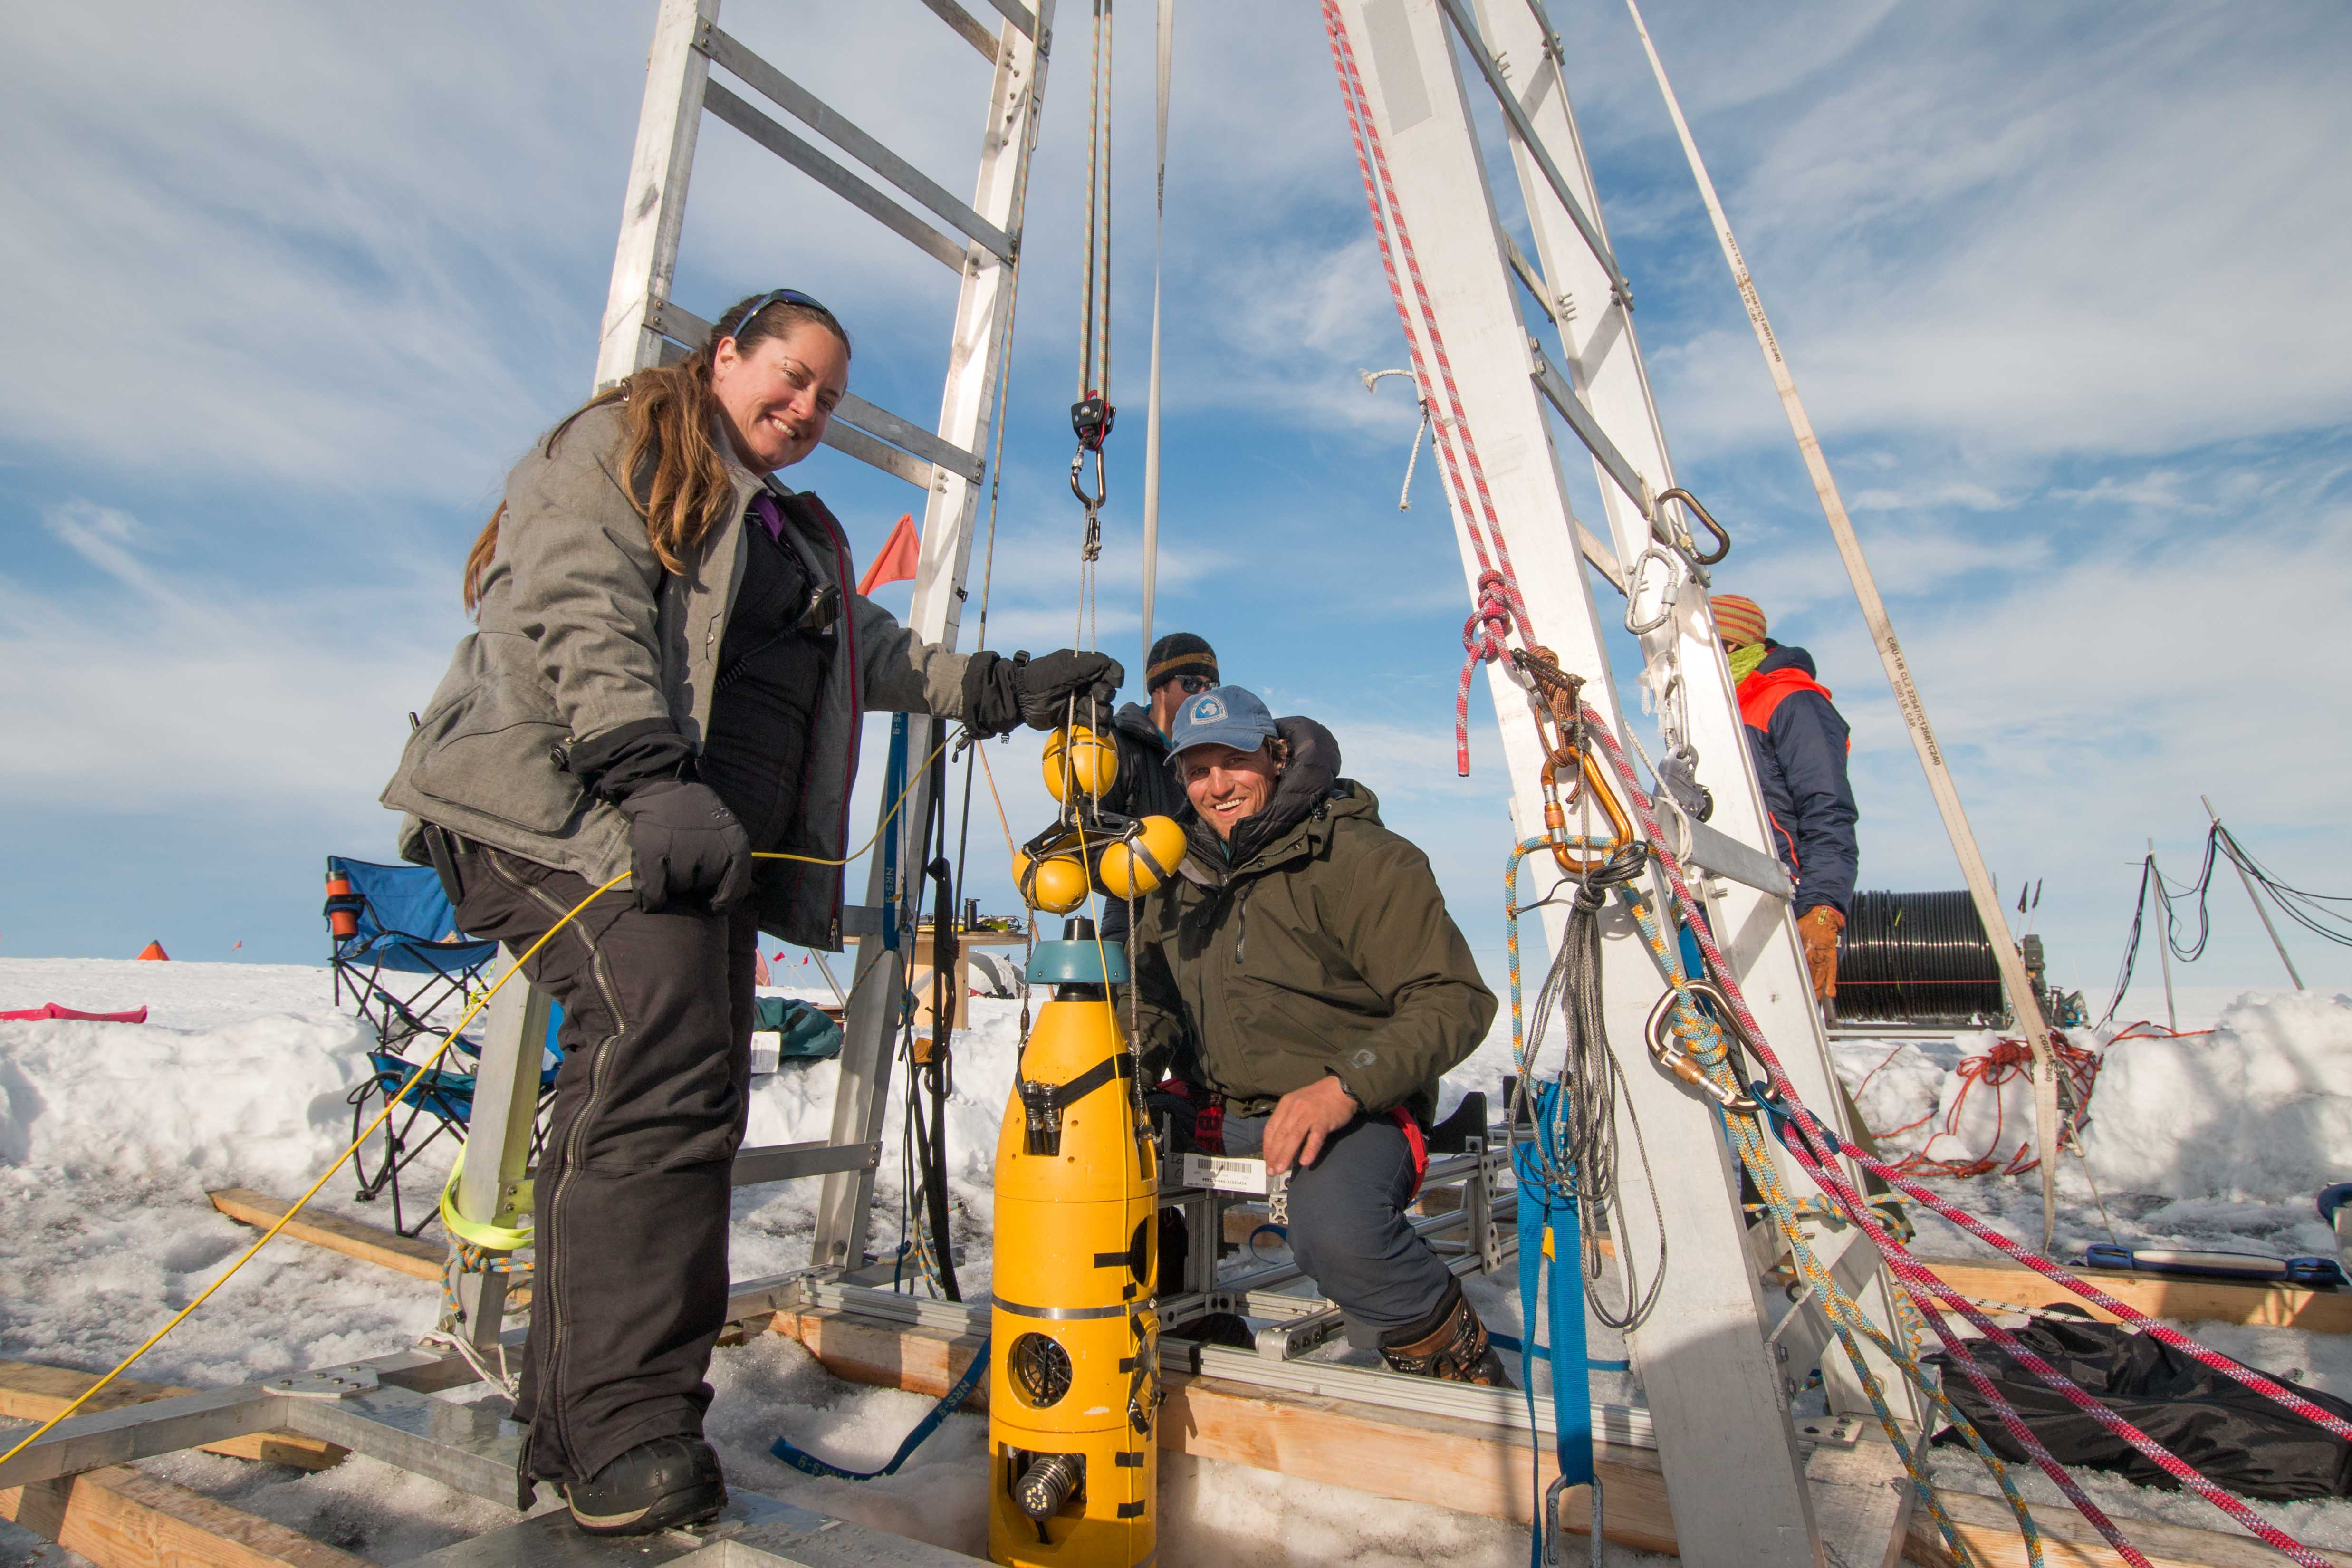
{"points": [[109, 1134]]}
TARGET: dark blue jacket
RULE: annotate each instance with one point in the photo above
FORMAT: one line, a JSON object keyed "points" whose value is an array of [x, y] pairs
{"points": [[1800, 744]]}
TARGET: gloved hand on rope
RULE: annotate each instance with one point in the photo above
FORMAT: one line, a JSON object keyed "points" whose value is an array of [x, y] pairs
{"points": [[1818, 929], [1000, 693], [684, 846]]}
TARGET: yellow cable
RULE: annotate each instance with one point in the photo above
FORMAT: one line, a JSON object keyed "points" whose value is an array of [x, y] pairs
{"points": [[287, 1218], [448, 1040]]}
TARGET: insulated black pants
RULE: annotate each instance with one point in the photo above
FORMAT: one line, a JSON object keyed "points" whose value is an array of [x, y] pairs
{"points": [[629, 1290]]}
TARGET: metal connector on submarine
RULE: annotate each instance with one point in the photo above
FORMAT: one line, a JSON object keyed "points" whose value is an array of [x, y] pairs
{"points": [[1074, 1391]]}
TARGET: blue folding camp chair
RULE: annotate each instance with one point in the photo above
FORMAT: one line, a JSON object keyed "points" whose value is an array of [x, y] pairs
{"points": [[398, 954]]}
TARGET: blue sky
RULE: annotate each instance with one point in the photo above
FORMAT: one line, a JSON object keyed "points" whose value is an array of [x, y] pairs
{"points": [[291, 287]]}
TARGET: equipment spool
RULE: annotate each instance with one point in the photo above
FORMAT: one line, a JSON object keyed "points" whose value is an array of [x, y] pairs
{"points": [[1918, 958]]}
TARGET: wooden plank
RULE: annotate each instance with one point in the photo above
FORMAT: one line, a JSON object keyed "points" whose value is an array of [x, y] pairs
{"points": [[1412, 1457], [1861, 1504], [121, 1518], [1475, 1468], [387, 1249], [32, 1392], [2182, 1300], [1989, 1531]]}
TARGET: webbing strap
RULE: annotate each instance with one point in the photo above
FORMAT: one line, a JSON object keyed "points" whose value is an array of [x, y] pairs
{"points": [[1550, 1248], [808, 1464], [481, 1233]]}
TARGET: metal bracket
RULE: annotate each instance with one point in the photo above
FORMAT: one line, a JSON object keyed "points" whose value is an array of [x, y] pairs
{"points": [[326, 1382]]}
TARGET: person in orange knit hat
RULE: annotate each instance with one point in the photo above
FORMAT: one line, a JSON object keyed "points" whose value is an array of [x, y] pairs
{"points": [[1800, 742]]}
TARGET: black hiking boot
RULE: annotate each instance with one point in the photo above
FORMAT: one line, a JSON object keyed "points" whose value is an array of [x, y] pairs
{"points": [[662, 1484], [1450, 1343]]}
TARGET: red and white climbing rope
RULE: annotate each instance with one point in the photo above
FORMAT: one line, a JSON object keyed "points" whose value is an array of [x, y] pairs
{"points": [[1500, 608], [1498, 585]]}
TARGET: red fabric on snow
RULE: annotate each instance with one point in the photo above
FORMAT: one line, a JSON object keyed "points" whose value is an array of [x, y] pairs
{"points": [[51, 1010]]}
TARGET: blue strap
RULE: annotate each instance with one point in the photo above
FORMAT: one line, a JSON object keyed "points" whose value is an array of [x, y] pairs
{"points": [[1509, 1344], [809, 1464], [1548, 1211]]}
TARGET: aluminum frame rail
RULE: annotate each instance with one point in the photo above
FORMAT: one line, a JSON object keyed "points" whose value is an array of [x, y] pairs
{"points": [[1717, 1393], [642, 327]]}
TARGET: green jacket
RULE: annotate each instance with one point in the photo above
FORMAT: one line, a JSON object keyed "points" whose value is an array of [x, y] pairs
{"points": [[1321, 946]]}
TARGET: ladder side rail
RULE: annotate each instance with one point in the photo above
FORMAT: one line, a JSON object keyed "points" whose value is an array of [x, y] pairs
{"points": [[497, 1144], [738, 112], [727, 51], [968, 412], [653, 210], [1727, 1445], [1754, 929]]}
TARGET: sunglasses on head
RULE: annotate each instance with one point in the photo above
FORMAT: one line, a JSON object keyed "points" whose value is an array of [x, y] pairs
{"points": [[776, 297]]}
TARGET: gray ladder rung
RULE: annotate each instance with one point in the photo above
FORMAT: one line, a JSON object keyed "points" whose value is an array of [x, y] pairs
{"points": [[878, 425], [733, 110], [837, 128], [1018, 15], [1525, 130], [790, 1162], [966, 27], [1713, 851], [1604, 559], [1561, 396], [1526, 275]]}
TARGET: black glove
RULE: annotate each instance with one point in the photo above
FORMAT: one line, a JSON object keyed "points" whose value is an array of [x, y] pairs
{"points": [[684, 846], [1001, 692]]}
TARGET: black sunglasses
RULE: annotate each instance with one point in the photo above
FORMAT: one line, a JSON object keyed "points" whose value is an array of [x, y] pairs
{"points": [[779, 296], [1194, 685]]}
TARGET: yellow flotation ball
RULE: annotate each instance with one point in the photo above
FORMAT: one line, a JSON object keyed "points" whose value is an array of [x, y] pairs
{"points": [[1134, 866], [1077, 756], [1056, 884]]}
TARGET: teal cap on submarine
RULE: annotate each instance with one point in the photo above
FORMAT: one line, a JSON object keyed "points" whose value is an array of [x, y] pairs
{"points": [[1080, 959]]}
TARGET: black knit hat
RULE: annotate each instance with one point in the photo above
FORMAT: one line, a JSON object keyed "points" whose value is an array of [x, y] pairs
{"points": [[1177, 655]]}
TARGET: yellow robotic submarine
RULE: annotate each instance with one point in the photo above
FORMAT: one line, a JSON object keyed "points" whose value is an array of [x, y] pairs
{"points": [[1073, 1394]]}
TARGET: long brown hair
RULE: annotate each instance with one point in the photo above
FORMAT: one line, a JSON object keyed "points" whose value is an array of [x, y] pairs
{"points": [[669, 446]]}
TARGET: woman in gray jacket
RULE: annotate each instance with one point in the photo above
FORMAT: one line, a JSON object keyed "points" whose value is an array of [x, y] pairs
{"points": [[668, 673]]}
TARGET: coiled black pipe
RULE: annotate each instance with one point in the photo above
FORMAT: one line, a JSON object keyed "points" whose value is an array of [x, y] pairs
{"points": [[1917, 958]]}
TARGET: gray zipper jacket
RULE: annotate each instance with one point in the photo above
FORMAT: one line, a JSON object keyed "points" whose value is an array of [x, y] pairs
{"points": [[581, 630]]}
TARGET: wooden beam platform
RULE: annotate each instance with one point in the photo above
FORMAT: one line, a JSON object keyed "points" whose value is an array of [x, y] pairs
{"points": [[386, 1250], [1989, 1530], [2181, 1301], [122, 1518], [32, 1392], [1474, 1469]]}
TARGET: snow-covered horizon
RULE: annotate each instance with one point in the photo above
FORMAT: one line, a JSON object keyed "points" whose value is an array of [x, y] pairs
{"points": [[111, 1133]]}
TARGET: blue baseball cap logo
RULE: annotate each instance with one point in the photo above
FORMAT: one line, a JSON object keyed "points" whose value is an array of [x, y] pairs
{"points": [[1224, 716]]}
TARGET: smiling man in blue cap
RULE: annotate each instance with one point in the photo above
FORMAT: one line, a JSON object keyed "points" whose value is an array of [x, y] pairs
{"points": [[1301, 968]]}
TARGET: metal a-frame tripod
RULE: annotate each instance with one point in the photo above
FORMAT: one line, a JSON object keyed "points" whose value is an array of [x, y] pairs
{"points": [[1720, 1356]]}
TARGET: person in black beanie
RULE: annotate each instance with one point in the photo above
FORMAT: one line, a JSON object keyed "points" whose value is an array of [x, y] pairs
{"points": [[1182, 665]]}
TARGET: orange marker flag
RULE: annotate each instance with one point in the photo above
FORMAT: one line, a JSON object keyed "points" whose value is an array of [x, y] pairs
{"points": [[895, 563]]}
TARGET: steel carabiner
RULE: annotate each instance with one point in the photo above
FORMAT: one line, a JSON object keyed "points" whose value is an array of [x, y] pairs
{"points": [[1681, 543]]}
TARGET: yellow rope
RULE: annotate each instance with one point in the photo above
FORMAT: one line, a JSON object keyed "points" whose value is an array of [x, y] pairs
{"points": [[267, 1235], [916, 775]]}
